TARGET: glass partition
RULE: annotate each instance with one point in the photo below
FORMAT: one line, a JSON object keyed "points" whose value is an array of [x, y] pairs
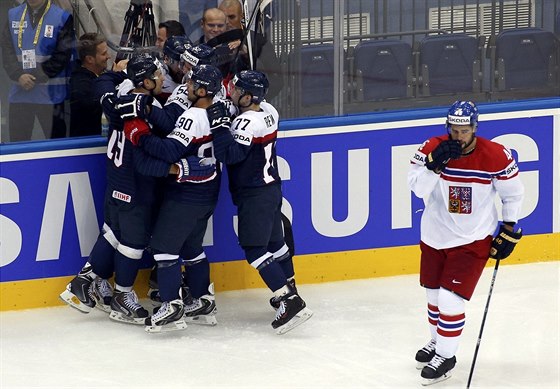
{"points": [[322, 57]]}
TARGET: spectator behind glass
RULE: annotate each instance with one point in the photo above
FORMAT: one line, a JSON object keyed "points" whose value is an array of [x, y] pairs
{"points": [[264, 56], [168, 29], [213, 23], [190, 14], [85, 110], [37, 47]]}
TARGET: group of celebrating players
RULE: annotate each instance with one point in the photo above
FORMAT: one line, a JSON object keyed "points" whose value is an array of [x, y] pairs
{"points": [[164, 159]]}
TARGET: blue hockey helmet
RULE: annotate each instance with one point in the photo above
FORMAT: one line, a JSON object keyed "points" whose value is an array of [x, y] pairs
{"points": [[462, 113], [207, 77], [252, 82], [174, 46], [201, 54], [142, 66]]}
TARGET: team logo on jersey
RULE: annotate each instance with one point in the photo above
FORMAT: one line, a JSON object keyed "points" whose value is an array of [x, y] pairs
{"points": [[460, 199]]}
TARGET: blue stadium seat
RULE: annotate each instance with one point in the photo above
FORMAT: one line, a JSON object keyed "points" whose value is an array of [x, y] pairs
{"points": [[450, 64], [525, 58], [316, 74], [382, 69]]}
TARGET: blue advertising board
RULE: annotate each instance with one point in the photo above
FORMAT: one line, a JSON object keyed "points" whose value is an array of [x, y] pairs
{"points": [[344, 187]]}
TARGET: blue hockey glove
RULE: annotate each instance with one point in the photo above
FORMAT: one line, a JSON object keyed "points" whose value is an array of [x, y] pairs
{"points": [[134, 106], [504, 243], [195, 170], [440, 156], [108, 102], [218, 116]]}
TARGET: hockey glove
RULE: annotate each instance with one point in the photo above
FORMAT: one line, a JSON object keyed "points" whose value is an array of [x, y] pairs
{"points": [[134, 129], [134, 106], [504, 243], [195, 170], [440, 156], [108, 102], [218, 116]]}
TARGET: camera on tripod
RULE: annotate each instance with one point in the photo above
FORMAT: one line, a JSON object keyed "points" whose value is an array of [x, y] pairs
{"points": [[139, 31]]}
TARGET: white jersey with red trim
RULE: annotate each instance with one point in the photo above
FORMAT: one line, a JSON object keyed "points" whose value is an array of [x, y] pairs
{"points": [[459, 202], [256, 130]]}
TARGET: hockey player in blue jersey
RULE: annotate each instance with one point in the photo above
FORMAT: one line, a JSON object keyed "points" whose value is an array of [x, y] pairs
{"points": [[186, 208], [248, 148], [127, 213]]}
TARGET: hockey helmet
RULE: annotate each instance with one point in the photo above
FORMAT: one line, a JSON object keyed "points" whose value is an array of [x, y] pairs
{"points": [[252, 82], [207, 77], [462, 113], [174, 46], [142, 66], [199, 55]]}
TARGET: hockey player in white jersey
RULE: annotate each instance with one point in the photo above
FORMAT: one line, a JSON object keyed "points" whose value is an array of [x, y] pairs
{"points": [[248, 149], [458, 176]]}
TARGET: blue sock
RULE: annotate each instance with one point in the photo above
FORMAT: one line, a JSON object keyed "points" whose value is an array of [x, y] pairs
{"points": [[126, 270], [273, 275], [169, 279], [101, 258], [197, 277], [287, 266]]}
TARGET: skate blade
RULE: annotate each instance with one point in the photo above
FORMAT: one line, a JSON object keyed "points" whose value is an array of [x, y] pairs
{"points": [[426, 381], [169, 327], [300, 318], [117, 316], [74, 302], [203, 320], [421, 365], [103, 307]]}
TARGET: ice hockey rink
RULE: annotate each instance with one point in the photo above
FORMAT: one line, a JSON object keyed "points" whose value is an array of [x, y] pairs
{"points": [[364, 334]]}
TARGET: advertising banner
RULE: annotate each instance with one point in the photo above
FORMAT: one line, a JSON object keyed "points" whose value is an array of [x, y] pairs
{"points": [[344, 188]]}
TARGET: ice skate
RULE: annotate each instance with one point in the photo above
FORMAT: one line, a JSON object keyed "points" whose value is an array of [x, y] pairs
{"points": [[202, 310], [425, 354], [77, 293], [275, 300], [439, 369], [126, 308], [169, 317], [291, 313], [101, 292]]}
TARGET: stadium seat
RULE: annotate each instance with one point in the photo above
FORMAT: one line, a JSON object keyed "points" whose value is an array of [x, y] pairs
{"points": [[316, 74], [382, 69], [449, 64], [524, 58]]}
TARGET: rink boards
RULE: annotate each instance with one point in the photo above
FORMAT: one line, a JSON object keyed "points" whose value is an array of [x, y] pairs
{"points": [[345, 190]]}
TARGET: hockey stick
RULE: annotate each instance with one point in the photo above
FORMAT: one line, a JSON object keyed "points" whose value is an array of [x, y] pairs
{"points": [[247, 32], [483, 321]]}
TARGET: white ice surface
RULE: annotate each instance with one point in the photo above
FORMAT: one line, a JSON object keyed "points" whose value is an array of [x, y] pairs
{"points": [[364, 334]]}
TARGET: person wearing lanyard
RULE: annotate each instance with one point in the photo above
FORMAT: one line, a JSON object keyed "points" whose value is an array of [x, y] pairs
{"points": [[38, 44]]}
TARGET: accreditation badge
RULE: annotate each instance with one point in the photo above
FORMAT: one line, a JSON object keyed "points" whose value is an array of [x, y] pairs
{"points": [[49, 29], [29, 60]]}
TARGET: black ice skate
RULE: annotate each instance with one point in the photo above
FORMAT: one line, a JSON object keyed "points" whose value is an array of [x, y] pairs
{"points": [[275, 301], [126, 308], [202, 310], [291, 313], [169, 317], [101, 292], [77, 293], [425, 354], [439, 369]]}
